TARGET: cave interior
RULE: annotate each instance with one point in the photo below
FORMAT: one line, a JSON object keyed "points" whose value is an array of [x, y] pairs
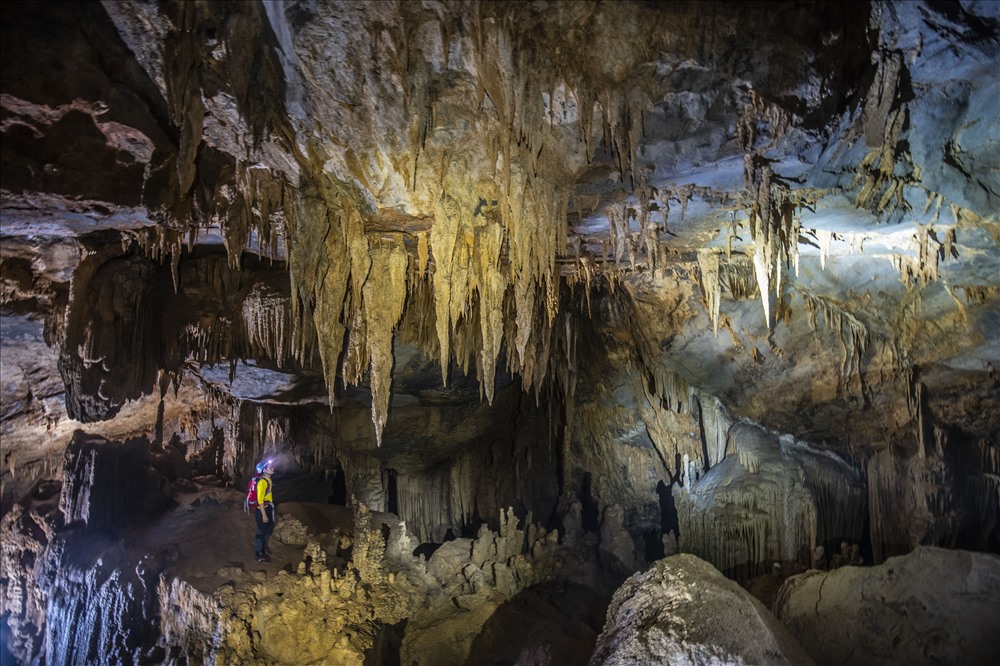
{"points": [[578, 332]]}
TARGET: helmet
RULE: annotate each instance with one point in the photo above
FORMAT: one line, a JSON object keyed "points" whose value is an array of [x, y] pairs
{"points": [[262, 465]]}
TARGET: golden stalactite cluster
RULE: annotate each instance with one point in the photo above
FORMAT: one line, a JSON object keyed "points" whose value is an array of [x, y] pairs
{"points": [[500, 203], [254, 211], [266, 324], [493, 154], [775, 232], [500, 114], [255, 320], [882, 121], [922, 268], [641, 247], [320, 271], [736, 271], [737, 275], [979, 294], [770, 207], [384, 296], [918, 264], [852, 332]]}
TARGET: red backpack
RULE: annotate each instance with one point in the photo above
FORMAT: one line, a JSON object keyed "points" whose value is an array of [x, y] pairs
{"points": [[251, 501]]}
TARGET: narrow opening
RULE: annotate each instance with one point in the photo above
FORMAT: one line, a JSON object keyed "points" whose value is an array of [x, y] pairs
{"points": [[338, 487], [392, 492], [591, 514], [669, 521]]}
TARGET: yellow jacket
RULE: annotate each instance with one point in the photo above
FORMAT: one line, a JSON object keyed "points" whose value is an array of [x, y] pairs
{"points": [[264, 492]]}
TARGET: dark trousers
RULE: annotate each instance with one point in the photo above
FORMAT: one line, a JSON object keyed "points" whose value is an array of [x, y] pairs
{"points": [[263, 529]]}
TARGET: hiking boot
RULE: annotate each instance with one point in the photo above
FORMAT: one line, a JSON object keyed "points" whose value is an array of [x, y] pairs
{"points": [[263, 557]]}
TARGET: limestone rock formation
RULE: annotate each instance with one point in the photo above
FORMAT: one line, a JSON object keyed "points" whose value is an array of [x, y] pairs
{"points": [[779, 499], [342, 588], [932, 606], [683, 611], [553, 289]]}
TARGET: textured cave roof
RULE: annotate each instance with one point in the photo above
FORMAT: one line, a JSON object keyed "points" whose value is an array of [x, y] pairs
{"points": [[867, 134]]}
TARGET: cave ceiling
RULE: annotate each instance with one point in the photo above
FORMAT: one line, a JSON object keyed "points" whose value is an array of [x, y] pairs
{"points": [[794, 207]]}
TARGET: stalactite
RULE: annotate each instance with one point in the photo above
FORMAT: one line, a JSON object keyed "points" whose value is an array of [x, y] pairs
{"points": [[708, 262], [670, 388], [929, 251], [423, 255], [737, 274], [825, 239], [505, 261], [715, 423], [773, 225], [762, 269], [619, 215], [921, 269], [384, 297], [256, 431], [266, 330], [252, 215], [303, 268], [491, 288], [853, 334], [321, 272], [159, 244], [882, 122], [649, 230], [444, 237], [979, 294]]}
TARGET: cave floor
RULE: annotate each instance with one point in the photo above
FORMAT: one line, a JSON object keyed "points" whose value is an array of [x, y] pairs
{"points": [[206, 541], [212, 537]]}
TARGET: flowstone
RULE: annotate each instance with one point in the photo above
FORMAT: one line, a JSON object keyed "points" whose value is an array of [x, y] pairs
{"points": [[771, 500]]}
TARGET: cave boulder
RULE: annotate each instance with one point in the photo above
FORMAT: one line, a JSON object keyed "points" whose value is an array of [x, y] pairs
{"points": [[684, 611], [932, 606]]}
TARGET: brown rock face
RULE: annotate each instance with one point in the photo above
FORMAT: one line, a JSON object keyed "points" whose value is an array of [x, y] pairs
{"points": [[932, 605], [719, 278]]}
